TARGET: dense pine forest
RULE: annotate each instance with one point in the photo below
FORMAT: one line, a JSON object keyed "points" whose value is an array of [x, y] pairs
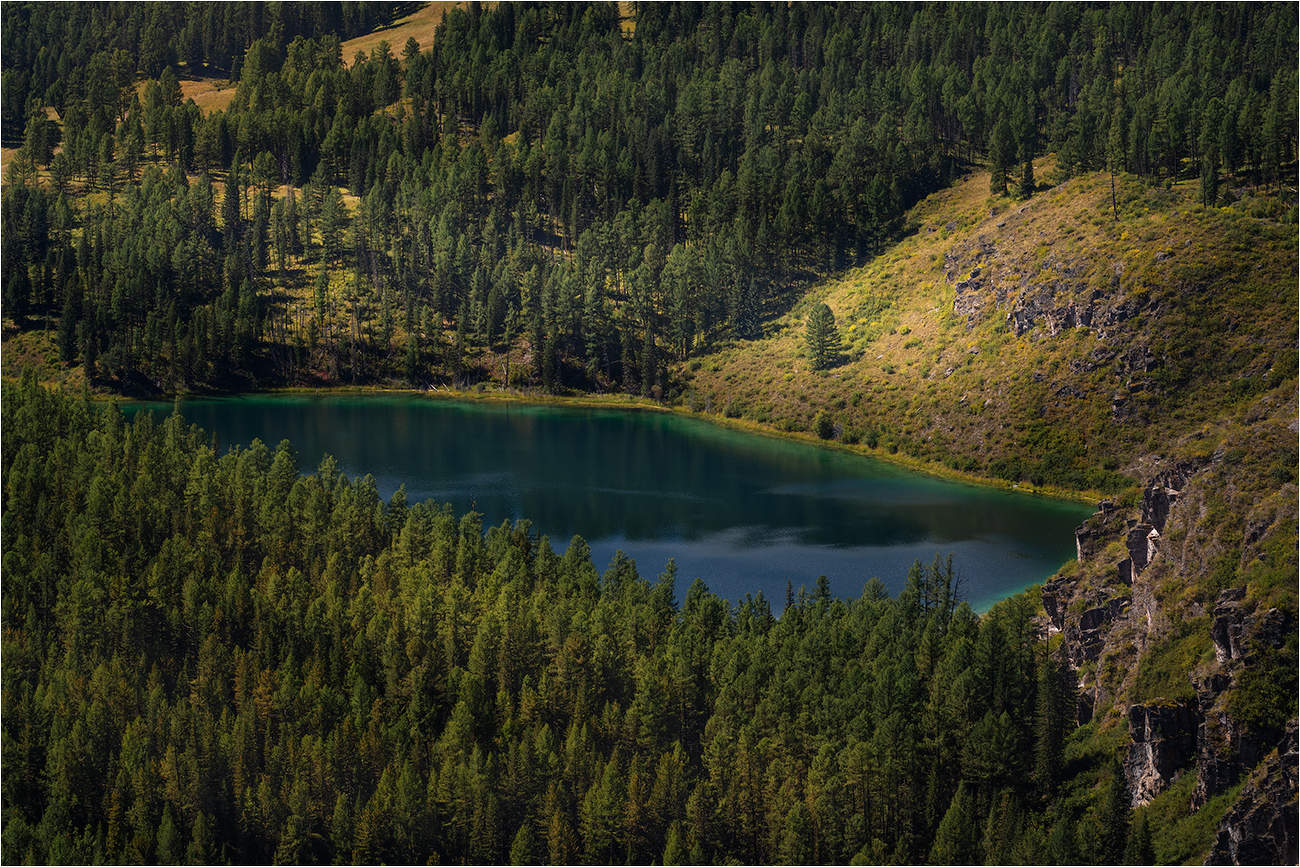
{"points": [[583, 196], [1051, 245], [211, 658]]}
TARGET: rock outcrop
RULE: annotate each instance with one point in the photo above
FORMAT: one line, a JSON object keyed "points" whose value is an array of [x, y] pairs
{"points": [[1168, 738], [1227, 748], [1260, 828], [1085, 615], [1164, 745], [1094, 534]]}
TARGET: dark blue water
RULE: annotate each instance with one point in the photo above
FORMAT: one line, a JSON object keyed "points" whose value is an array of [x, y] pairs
{"points": [[743, 512]]}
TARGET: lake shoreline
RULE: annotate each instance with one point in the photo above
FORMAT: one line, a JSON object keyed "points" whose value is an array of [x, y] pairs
{"points": [[629, 403]]}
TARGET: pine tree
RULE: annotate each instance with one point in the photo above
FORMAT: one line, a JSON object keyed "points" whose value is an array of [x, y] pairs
{"points": [[524, 848], [649, 363], [1115, 151], [823, 338], [1026, 132], [957, 839], [1138, 849], [1117, 814], [1048, 725], [412, 359], [230, 219]]}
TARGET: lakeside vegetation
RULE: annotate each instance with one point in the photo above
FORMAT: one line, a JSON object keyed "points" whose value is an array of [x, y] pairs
{"points": [[315, 674], [566, 197], [1055, 248]]}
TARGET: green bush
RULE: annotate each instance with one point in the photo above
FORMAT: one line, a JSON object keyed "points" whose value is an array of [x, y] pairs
{"points": [[1266, 691], [824, 426]]}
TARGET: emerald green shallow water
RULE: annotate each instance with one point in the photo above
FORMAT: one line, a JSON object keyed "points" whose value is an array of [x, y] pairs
{"points": [[744, 512]]}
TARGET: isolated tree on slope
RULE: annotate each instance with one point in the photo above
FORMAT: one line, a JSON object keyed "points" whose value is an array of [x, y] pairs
{"points": [[823, 339]]}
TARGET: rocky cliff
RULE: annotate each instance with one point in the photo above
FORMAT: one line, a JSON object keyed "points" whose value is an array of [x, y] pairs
{"points": [[1261, 826], [1179, 616], [1163, 650]]}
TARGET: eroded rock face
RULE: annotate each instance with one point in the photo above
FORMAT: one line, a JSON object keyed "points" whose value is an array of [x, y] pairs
{"points": [[1164, 744], [1237, 628], [1098, 531], [1160, 496], [1139, 548], [1168, 739], [1038, 304], [1261, 827], [1086, 636], [1227, 748], [1225, 630], [1054, 593]]}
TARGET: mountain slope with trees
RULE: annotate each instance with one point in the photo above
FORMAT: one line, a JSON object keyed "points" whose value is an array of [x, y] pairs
{"points": [[1122, 338], [545, 184], [1041, 341], [210, 658], [561, 199]]}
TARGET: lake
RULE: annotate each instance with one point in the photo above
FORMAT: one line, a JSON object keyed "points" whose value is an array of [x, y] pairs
{"points": [[742, 511]]}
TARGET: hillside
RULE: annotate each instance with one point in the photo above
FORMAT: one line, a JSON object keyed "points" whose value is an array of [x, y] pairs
{"points": [[1044, 340], [1039, 341], [419, 25], [650, 202]]}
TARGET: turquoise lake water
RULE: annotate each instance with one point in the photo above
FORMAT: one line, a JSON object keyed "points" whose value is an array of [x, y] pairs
{"points": [[741, 511]]}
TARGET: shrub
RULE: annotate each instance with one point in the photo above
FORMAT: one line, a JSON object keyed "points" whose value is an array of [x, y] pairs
{"points": [[824, 426], [1266, 692]]}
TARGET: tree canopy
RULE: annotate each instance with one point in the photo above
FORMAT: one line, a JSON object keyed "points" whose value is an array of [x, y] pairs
{"points": [[211, 658], [592, 197]]}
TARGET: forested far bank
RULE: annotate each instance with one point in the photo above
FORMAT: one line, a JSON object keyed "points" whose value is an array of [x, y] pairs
{"points": [[211, 658], [555, 195]]}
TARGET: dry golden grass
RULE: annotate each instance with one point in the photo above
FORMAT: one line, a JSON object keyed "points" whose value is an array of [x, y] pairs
{"points": [[627, 18], [209, 94], [929, 384], [419, 25], [21, 350]]}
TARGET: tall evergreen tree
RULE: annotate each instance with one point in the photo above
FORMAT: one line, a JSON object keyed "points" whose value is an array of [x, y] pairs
{"points": [[822, 337]]}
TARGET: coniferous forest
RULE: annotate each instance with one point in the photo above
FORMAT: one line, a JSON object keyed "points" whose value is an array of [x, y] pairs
{"points": [[540, 177], [209, 657]]}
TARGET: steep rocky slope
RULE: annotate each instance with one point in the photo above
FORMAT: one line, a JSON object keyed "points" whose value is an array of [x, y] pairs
{"points": [[1150, 358]]}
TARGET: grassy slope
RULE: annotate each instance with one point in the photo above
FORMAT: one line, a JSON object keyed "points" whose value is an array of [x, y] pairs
{"points": [[419, 25], [1210, 304]]}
